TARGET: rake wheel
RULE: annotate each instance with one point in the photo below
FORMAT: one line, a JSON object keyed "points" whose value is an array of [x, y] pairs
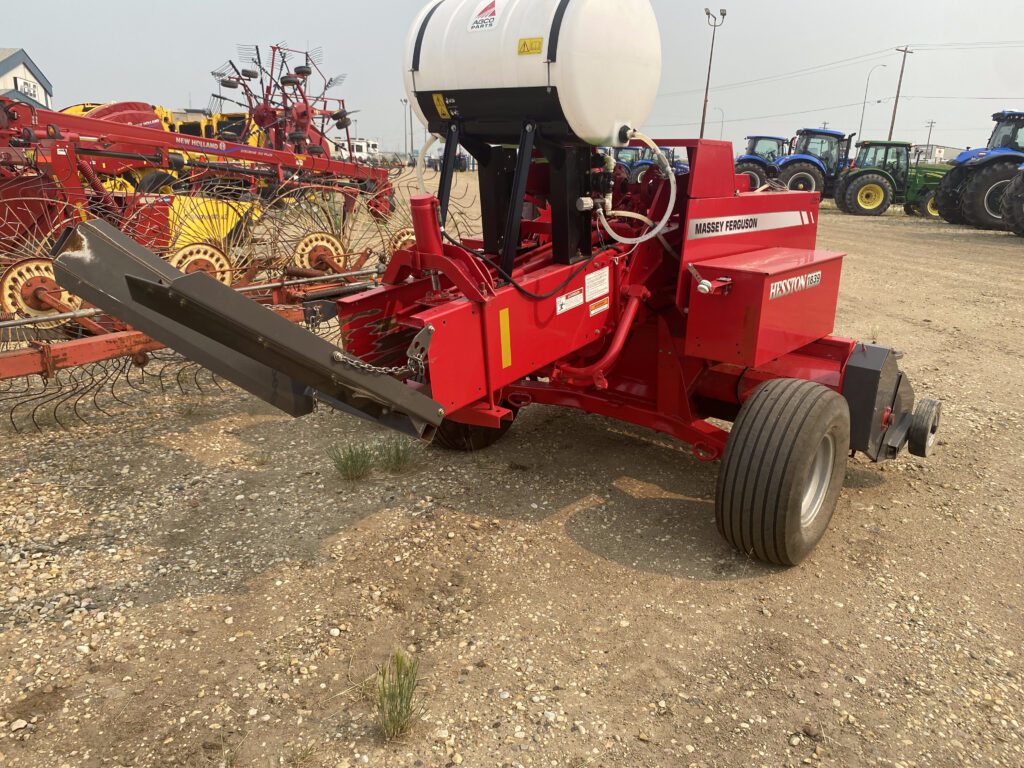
{"points": [[22, 286], [319, 250], [203, 257]]}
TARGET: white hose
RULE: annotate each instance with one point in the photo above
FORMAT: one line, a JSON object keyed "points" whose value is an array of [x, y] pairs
{"points": [[421, 163], [669, 210]]}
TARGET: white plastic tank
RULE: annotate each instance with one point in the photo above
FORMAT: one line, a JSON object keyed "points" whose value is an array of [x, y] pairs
{"points": [[594, 65]]}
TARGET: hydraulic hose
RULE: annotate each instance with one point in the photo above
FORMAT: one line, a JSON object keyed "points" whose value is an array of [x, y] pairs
{"points": [[421, 164], [666, 168]]}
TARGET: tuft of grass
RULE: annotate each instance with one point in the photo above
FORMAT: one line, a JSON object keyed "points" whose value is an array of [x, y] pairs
{"points": [[397, 703], [395, 454], [302, 755], [190, 407], [353, 462], [262, 458]]}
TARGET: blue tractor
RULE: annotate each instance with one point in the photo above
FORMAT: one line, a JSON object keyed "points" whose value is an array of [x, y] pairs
{"points": [[815, 161], [972, 192], [634, 162], [761, 153]]}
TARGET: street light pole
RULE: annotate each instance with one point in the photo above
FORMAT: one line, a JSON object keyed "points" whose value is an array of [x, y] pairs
{"points": [[721, 125], [864, 106], [405, 136], [714, 22]]}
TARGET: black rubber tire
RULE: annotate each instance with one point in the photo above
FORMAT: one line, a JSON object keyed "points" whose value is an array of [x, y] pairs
{"points": [[839, 195], [455, 436], [1013, 204], [947, 197], [767, 469], [851, 192], [979, 207], [923, 427], [801, 173], [153, 183], [303, 70], [290, 80], [925, 206], [637, 174], [756, 172]]}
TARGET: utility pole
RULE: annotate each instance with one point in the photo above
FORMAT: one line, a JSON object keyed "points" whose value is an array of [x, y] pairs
{"points": [[930, 124], [899, 87], [825, 124], [714, 22]]}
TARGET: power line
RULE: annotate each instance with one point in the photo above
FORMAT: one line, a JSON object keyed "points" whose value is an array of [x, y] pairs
{"points": [[763, 117], [863, 58], [817, 69]]}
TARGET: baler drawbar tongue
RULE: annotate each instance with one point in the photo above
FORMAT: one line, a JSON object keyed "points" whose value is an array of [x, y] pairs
{"points": [[247, 344]]}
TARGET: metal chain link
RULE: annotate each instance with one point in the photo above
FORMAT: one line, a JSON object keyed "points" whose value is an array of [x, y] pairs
{"points": [[355, 362]]}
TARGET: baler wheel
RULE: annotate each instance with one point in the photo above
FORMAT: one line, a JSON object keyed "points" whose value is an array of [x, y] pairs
{"points": [[983, 195], [1013, 204], [783, 470], [923, 427], [803, 177], [454, 436]]}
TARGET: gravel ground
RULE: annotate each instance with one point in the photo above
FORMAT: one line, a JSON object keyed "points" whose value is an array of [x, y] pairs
{"points": [[189, 582]]}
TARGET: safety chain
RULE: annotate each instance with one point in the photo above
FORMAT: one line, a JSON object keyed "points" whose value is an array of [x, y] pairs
{"points": [[355, 362]]}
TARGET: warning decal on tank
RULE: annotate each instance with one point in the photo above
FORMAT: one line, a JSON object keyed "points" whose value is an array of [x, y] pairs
{"points": [[486, 17], [738, 225], [600, 306], [569, 301], [531, 46], [442, 108]]}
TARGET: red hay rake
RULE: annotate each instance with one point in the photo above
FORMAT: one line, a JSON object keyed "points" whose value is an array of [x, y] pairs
{"points": [[255, 199]]}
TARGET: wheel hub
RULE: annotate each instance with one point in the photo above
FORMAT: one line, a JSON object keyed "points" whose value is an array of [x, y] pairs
{"points": [[870, 196], [203, 257], [818, 480], [23, 286], [318, 250]]}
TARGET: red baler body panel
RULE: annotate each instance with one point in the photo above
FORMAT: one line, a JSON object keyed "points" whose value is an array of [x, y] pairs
{"points": [[776, 301]]}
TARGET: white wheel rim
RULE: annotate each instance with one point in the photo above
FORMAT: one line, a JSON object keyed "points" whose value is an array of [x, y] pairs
{"points": [[802, 178], [818, 480], [995, 193], [755, 180]]}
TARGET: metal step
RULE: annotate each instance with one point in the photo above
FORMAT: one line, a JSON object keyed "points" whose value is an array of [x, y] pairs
{"points": [[248, 344]]}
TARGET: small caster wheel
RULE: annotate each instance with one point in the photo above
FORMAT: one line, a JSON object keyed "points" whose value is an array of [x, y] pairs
{"points": [[923, 427]]}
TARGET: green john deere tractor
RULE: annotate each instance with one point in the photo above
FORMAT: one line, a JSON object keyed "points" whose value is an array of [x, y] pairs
{"points": [[881, 175]]}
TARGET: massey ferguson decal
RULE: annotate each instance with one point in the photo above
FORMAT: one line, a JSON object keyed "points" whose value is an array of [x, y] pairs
{"points": [[486, 17], [738, 225], [792, 285]]}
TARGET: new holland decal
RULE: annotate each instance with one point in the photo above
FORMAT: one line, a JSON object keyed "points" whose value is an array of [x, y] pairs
{"points": [[737, 225]]}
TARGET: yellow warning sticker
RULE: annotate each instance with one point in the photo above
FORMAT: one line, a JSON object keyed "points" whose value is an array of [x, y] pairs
{"points": [[442, 108], [531, 46]]}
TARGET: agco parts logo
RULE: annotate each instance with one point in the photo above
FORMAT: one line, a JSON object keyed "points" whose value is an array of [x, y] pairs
{"points": [[792, 285], [486, 17]]}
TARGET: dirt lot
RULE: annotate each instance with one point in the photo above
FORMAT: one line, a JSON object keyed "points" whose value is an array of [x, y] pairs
{"points": [[191, 583]]}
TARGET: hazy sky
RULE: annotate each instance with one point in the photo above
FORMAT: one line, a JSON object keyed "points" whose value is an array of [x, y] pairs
{"points": [[107, 50]]}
